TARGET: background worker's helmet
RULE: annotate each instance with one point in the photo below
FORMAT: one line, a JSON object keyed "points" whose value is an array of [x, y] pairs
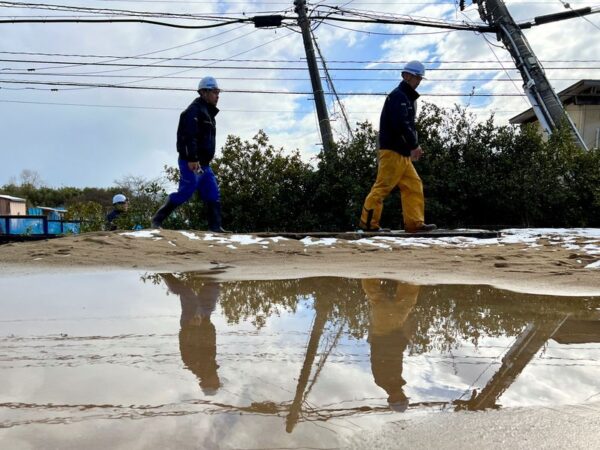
{"points": [[415, 68], [119, 198], [208, 83]]}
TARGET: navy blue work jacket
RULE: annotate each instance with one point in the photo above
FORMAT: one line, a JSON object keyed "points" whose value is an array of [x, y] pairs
{"points": [[196, 133], [397, 123]]}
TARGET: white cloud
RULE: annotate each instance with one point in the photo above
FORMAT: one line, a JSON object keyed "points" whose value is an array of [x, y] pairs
{"points": [[93, 145]]}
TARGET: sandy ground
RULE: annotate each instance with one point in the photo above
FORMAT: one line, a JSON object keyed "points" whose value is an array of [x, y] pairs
{"points": [[561, 263], [540, 262], [569, 426]]}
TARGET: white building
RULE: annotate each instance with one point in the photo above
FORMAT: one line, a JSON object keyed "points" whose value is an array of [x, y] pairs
{"points": [[12, 206]]}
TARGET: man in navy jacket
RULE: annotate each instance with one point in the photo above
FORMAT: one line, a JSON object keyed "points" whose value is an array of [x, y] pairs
{"points": [[196, 142], [398, 148]]}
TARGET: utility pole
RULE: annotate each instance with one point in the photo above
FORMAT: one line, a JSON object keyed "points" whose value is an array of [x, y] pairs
{"points": [[545, 102], [315, 79]]}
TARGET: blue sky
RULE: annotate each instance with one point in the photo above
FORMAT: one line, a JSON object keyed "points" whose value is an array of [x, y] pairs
{"points": [[94, 136]]}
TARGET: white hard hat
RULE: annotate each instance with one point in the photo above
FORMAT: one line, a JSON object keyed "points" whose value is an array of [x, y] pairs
{"points": [[208, 83], [119, 198], [415, 68]]}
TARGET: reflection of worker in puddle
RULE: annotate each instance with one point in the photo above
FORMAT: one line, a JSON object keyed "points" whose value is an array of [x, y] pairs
{"points": [[391, 303], [197, 337]]}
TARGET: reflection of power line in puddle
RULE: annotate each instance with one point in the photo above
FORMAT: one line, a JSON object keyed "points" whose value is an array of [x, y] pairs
{"points": [[119, 412]]}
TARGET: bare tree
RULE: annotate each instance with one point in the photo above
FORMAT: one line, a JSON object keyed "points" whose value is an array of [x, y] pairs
{"points": [[31, 178]]}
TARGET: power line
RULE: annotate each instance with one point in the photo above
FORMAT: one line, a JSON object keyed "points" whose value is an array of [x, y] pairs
{"points": [[248, 78], [336, 13], [166, 108], [150, 22], [105, 11], [163, 59], [239, 91], [297, 61], [146, 78], [332, 85], [364, 18], [380, 33], [347, 69], [568, 6]]}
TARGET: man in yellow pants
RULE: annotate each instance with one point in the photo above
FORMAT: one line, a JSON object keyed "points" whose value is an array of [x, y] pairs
{"points": [[398, 148]]}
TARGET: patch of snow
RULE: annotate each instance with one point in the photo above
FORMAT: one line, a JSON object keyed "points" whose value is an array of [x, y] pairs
{"points": [[564, 237], [143, 234], [592, 249], [190, 236], [278, 238], [308, 241], [241, 239], [372, 242], [246, 239], [595, 265]]}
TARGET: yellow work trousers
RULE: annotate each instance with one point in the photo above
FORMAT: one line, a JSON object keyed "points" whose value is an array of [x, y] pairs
{"points": [[395, 170], [389, 307]]}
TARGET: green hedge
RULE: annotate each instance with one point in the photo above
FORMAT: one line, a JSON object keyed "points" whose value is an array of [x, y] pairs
{"points": [[475, 174]]}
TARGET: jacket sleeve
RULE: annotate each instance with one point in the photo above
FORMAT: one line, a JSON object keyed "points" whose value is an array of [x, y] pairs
{"points": [[205, 138], [188, 129], [405, 122]]}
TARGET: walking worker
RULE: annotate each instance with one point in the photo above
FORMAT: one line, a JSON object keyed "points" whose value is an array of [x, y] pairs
{"points": [[196, 142], [398, 148], [120, 206]]}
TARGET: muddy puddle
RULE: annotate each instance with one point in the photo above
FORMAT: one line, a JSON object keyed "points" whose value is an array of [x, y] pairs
{"points": [[125, 360]]}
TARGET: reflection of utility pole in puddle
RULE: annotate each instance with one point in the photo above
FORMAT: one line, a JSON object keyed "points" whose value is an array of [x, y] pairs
{"points": [[526, 346], [389, 313], [323, 309]]}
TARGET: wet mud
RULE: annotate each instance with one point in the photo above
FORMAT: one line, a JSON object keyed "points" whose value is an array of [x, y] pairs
{"points": [[180, 360]]}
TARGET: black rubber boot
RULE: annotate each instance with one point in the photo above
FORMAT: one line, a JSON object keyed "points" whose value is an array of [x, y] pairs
{"points": [[214, 217], [163, 213]]}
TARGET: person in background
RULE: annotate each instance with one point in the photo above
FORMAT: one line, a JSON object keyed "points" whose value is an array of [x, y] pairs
{"points": [[120, 207], [398, 148], [196, 142]]}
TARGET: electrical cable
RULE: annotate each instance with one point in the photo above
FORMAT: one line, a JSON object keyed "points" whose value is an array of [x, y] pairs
{"points": [[159, 108], [568, 6], [161, 60], [248, 78], [378, 33], [334, 69], [141, 55], [292, 61], [242, 91]]}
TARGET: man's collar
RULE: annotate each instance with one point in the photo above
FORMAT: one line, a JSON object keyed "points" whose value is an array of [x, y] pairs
{"points": [[212, 110], [412, 94]]}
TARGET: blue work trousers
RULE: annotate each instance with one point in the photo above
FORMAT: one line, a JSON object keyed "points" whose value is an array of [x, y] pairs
{"points": [[189, 182]]}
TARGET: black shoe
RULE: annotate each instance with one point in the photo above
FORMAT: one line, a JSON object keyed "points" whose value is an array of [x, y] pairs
{"points": [[164, 212]]}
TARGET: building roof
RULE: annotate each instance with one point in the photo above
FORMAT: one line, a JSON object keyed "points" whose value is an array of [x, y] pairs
{"points": [[13, 199], [47, 208], [584, 92]]}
